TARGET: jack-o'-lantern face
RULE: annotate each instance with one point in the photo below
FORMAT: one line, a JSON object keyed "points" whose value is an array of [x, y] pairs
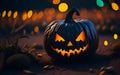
{"points": [[68, 47], [70, 38]]}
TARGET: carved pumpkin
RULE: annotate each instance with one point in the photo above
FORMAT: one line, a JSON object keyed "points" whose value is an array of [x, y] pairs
{"points": [[70, 38]]}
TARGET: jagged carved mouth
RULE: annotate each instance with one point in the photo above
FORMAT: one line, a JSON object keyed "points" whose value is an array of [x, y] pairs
{"points": [[64, 52]]}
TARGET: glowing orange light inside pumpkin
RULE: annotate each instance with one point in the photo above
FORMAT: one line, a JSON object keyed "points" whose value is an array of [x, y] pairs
{"points": [[81, 36], [15, 14], [58, 38], [56, 1], [69, 43], [3, 13], [71, 51]]}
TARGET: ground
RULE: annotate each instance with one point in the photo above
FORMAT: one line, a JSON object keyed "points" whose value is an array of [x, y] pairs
{"points": [[90, 67]]}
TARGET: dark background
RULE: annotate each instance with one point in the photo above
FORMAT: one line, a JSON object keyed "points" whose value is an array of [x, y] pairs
{"points": [[104, 18], [42, 4]]}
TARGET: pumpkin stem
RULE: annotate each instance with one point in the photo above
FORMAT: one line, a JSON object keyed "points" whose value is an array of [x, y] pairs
{"points": [[69, 16]]}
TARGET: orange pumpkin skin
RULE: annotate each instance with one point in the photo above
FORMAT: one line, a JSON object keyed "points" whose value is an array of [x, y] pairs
{"points": [[70, 39]]}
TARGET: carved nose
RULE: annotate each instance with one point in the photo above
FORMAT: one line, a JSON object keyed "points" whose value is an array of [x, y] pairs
{"points": [[69, 43]]}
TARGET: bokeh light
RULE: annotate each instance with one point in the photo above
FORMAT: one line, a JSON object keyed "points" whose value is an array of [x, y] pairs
{"points": [[40, 15], [112, 27], [9, 13], [105, 43], [15, 14], [24, 16], [3, 13], [30, 13], [115, 36], [100, 3], [115, 6], [104, 27], [98, 27], [59, 16], [34, 17], [56, 1], [36, 29], [63, 7], [24, 32], [105, 19]]}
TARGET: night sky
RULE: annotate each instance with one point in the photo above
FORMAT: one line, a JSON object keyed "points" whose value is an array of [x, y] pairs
{"points": [[21, 5]]}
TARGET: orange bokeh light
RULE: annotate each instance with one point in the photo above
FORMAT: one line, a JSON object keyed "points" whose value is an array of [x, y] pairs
{"points": [[15, 14], [9, 13], [115, 36], [63, 7], [49, 14], [3, 13], [115, 6], [30, 13], [106, 43], [56, 1], [34, 17], [40, 15], [36, 29], [24, 16], [59, 16]]}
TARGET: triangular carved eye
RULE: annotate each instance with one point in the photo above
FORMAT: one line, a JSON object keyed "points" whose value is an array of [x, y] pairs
{"points": [[59, 38], [81, 36]]}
